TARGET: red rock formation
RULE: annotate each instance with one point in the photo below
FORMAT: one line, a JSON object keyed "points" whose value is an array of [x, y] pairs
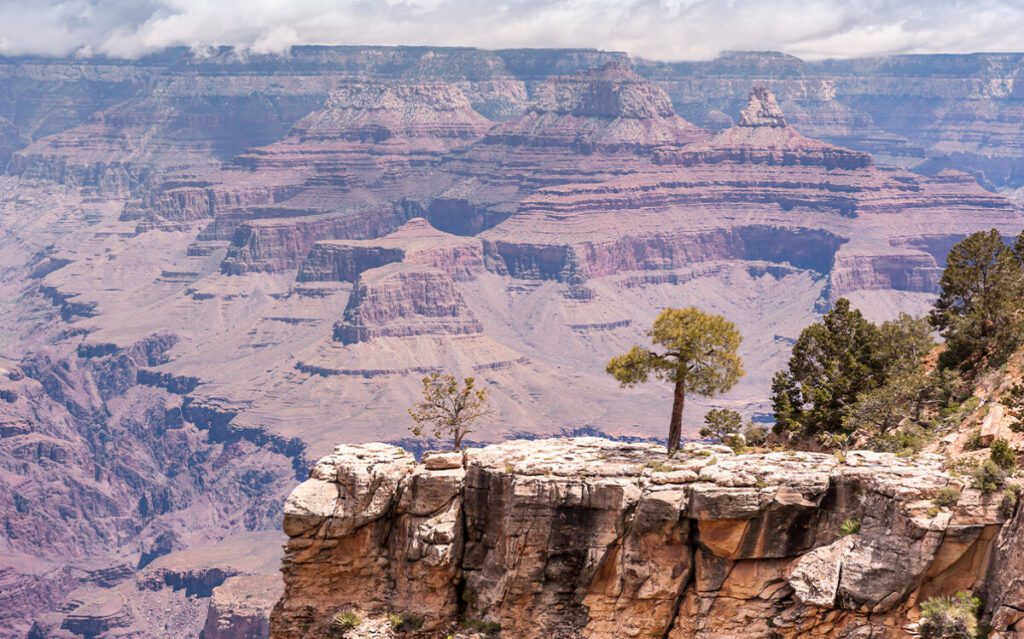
{"points": [[401, 300], [367, 138], [415, 242], [605, 110], [960, 112], [758, 191], [240, 608]]}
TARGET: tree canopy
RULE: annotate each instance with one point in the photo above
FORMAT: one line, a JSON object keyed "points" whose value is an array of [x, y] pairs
{"points": [[845, 361], [979, 307], [696, 352], [449, 409]]}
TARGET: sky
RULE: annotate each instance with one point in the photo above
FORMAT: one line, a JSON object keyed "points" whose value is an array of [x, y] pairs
{"points": [[654, 29]]}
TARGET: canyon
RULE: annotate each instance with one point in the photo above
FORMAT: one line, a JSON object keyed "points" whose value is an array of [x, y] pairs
{"points": [[217, 268]]}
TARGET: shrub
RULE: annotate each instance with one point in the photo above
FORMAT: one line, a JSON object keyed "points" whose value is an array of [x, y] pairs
{"points": [[401, 621], [755, 435], [1008, 502], [342, 622], [1002, 454], [953, 617], [659, 466], [723, 425], [974, 440], [1014, 403], [989, 477], [849, 527], [947, 497]]}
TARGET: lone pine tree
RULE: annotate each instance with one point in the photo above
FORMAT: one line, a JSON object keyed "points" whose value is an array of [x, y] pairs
{"points": [[693, 350]]}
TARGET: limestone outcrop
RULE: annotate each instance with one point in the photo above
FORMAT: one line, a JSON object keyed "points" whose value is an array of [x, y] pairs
{"points": [[593, 538]]}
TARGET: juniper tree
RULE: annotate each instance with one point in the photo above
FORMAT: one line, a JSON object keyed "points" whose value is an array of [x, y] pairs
{"points": [[979, 305], [722, 424], [833, 361], [693, 350]]}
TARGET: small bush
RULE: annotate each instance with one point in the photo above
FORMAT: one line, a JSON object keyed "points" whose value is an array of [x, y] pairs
{"points": [[849, 527], [1002, 454], [659, 466], [755, 435], [1009, 502], [736, 443], [989, 477], [953, 617], [402, 621], [342, 622], [974, 440], [947, 497], [961, 466]]}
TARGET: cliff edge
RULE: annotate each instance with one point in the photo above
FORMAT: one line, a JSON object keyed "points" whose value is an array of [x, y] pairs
{"points": [[600, 539]]}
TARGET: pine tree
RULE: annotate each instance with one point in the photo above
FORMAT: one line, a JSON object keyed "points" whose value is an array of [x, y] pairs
{"points": [[833, 361], [698, 355], [979, 306]]}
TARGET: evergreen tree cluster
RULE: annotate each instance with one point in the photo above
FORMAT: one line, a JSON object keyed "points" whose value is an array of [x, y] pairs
{"points": [[848, 377]]}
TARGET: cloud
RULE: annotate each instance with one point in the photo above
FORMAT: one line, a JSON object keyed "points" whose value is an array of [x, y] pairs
{"points": [[657, 29]]}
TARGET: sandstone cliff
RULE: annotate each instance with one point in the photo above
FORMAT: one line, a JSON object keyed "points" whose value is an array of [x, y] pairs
{"points": [[593, 538]]}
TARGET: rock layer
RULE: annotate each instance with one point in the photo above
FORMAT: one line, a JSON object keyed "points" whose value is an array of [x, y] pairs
{"points": [[598, 539]]}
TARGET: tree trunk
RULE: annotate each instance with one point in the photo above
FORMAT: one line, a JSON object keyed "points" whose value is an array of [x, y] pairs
{"points": [[457, 437], [675, 429]]}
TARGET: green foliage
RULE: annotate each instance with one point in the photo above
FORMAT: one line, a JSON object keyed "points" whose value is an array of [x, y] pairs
{"points": [[908, 439], [448, 409], [1009, 501], [403, 621], [697, 354], [901, 400], [342, 622], [839, 442], [723, 425], [947, 497], [953, 617], [832, 362], [1001, 453], [847, 375], [978, 310], [755, 435], [988, 477], [849, 527], [700, 350], [973, 441], [659, 466], [903, 343], [1014, 403]]}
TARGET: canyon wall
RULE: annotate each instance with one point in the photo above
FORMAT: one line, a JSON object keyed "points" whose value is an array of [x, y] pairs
{"points": [[592, 538], [215, 267]]}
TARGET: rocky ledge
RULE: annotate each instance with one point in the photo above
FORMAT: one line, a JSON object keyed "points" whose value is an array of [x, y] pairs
{"points": [[593, 538]]}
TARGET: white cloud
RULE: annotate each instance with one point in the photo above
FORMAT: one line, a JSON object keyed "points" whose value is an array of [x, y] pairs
{"points": [[658, 29]]}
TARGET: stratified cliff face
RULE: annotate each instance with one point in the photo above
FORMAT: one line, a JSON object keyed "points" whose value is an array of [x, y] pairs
{"points": [[958, 112], [399, 301], [592, 538]]}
